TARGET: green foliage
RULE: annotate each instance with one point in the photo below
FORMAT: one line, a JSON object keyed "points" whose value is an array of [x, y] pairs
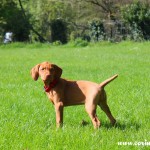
{"points": [[57, 43], [136, 32], [74, 35], [79, 42], [96, 30], [45, 12], [11, 19], [59, 31], [137, 15], [40, 14]]}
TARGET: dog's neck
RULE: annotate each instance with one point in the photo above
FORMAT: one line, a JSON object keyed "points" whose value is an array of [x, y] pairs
{"points": [[48, 87]]}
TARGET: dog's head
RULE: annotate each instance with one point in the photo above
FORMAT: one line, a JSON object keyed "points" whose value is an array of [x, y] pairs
{"points": [[47, 71]]}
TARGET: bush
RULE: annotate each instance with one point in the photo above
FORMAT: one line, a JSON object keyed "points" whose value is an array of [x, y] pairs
{"points": [[80, 43], [11, 19], [96, 30], [137, 15], [57, 43], [74, 35], [136, 33], [59, 31]]}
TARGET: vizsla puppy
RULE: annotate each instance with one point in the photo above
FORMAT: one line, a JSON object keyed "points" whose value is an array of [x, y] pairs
{"points": [[63, 92]]}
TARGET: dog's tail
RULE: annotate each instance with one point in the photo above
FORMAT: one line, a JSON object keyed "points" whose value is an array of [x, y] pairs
{"points": [[104, 83]]}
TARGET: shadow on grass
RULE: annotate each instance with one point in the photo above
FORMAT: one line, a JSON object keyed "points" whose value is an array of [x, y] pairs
{"points": [[84, 123], [120, 126], [123, 126]]}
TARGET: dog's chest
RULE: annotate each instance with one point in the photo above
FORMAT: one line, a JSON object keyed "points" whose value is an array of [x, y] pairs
{"points": [[51, 95]]}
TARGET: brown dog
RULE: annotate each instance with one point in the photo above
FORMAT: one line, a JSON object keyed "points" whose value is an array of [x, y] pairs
{"points": [[63, 92]]}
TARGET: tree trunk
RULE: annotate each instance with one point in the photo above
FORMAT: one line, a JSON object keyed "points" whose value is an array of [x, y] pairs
{"points": [[31, 27]]}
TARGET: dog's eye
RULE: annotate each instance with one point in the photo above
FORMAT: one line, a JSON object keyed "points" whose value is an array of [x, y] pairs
{"points": [[42, 68]]}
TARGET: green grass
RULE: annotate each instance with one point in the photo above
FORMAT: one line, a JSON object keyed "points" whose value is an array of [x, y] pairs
{"points": [[27, 118]]}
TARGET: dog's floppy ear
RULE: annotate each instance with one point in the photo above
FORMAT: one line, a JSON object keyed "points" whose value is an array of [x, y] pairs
{"points": [[58, 72], [35, 72]]}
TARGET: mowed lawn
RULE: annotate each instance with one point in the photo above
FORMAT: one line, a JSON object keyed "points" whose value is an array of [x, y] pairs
{"points": [[27, 118]]}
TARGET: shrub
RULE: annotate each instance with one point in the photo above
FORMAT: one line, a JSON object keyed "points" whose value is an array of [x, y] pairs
{"points": [[136, 33], [59, 31], [137, 15], [11, 19], [74, 35], [96, 30], [80, 43], [57, 43]]}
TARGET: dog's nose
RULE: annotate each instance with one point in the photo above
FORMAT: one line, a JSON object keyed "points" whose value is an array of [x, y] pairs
{"points": [[48, 76]]}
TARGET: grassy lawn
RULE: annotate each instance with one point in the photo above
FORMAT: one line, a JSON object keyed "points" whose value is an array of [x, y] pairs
{"points": [[27, 118]]}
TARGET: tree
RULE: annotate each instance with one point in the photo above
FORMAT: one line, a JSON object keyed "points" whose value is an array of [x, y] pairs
{"points": [[46, 11], [137, 15], [11, 18], [29, 25], [108, 7], [59, 31], [97, 30]]}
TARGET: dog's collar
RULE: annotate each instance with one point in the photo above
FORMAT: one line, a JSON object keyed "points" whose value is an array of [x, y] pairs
{"points": [[51, 85]]}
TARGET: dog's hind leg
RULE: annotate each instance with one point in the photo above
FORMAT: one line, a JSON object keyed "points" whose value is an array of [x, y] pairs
{"points": [[91, 110], [103, 104]]}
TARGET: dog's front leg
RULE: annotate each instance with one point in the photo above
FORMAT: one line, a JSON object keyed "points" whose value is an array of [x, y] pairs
{"points": [[59, 114]]}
